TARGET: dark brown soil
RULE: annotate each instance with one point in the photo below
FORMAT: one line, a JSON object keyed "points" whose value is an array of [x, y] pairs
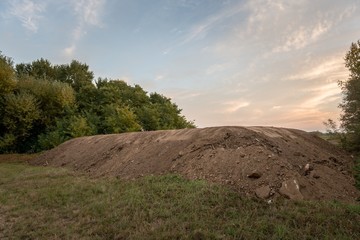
{"points": [[262, 161], [16, 158]]}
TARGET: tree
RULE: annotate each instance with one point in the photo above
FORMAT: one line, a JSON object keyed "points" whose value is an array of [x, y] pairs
{"points": [[169, 112], [43, 105], [7, 75], [21, 111], [350, 118], [54, 97], [40, 68], [77, 74], [119, 119]]}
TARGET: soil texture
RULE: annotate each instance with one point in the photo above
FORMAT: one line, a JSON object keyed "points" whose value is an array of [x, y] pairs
{"points": [[266, 162]]}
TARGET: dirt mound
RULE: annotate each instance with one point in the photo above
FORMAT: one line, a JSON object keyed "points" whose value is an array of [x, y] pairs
{"points": [[262, 161]]}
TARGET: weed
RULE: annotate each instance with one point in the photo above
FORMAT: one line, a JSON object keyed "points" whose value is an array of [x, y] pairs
{"points": [[55, 203]]}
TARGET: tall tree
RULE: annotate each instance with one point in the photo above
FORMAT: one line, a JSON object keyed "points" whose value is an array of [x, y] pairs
{"points": [[7, 74], [40, 68], [350, 119]]}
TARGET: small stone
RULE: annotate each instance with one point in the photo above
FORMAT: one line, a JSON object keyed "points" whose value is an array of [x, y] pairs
{"points": [[255, 175], [297, 154], [272, 192], [307, 169], [263, 192], [315, 175], [291, 189]]}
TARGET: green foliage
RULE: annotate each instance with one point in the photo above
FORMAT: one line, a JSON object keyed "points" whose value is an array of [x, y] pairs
{"points": [[50, 140], [54, 97], [55, 203], [41, 68], [119, 119], [350, 119], [20, 112], [70, 126], [78, 126], [7, 75], [7, 143], [43, 105], [169, 112]]}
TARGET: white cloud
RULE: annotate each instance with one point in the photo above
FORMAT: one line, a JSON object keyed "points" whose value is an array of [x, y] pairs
{"points": [[69, 51], [28, 12], [216, 68], [331, 69], [159, 77], [233, 106], [181, 94], [288, 54], [303, 36], [322, 95], [201, 29], [88, 13]]}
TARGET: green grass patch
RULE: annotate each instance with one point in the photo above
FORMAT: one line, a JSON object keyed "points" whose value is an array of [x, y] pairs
{"points": [[55, 203]]}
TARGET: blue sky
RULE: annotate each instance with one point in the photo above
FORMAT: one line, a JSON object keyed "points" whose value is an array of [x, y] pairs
{"points": [[230, 62]]}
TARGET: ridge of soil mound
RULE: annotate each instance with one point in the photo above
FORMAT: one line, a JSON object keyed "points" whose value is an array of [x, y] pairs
{"points": [[262, 161]]}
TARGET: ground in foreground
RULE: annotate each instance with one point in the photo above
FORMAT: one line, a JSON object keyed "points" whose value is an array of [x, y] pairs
{"points": [[56, 203], [266, 162]]}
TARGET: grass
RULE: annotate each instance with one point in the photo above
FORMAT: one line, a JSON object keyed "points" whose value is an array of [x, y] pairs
{"points": [[55, 203], [357, 171]]}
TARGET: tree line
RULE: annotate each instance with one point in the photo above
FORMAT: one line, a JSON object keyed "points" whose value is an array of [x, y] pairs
{"points": [[43, 105]]}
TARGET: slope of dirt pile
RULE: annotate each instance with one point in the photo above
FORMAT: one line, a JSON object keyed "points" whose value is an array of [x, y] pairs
{"points": [[262, 161]]}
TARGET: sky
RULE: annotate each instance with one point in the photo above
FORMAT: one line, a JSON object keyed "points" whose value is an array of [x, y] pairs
{"points": [[224, 62]]}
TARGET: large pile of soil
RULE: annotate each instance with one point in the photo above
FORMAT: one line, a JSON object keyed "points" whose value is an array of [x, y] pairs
{"points": [[264, 161]]}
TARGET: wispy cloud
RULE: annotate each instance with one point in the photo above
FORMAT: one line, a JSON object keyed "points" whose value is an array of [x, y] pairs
{"points": [[303, 36], [88, 13], [201, 29], [280, 26], [159, 77], [233, 106], [321, 95], [28, 12], [217, 68], [331, 69]]}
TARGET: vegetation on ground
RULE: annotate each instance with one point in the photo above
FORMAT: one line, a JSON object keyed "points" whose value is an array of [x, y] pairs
{"points": [[55, 203], [43, 105]]}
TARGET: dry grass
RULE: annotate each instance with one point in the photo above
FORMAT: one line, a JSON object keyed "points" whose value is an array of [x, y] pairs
{"points": [[16, 158]]}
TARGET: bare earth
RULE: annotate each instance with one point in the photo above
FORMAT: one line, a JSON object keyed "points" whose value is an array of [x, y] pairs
{"points": [[266, 162]]}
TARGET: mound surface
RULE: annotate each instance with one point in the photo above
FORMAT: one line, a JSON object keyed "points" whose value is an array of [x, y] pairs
{"points": [[262, 161]]}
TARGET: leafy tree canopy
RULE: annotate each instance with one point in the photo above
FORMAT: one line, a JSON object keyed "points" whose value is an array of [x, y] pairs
{"points": [[43, 105]]}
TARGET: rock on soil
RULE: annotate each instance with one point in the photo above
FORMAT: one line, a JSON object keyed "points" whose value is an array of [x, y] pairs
{"points": [[258, 161]]}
